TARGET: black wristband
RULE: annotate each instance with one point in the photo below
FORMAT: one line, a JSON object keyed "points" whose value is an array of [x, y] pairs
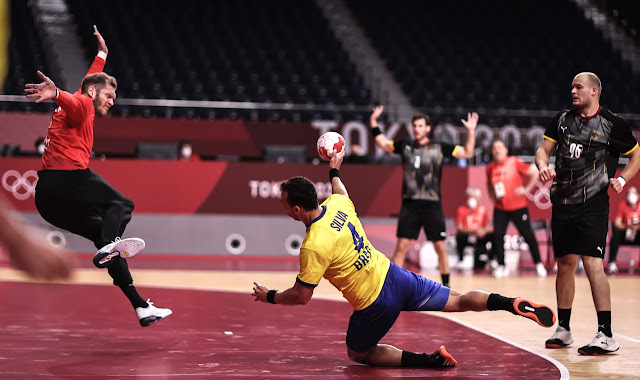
{"points": [[271, 296], [333, 173], [375, 131]]}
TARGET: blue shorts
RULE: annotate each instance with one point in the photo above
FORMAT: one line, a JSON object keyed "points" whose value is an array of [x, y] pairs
{"points": [[402, 291]]}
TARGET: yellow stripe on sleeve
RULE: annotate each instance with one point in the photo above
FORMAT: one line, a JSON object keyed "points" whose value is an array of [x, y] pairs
{"points": [[550, 139], [632, 149]]}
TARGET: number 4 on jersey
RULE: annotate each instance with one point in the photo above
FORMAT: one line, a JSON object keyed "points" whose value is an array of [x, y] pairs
{"points": [[358, 240]]}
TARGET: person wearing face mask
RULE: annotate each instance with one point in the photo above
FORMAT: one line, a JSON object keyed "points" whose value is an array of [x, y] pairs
{"points": [[508, 190], [40, 146], [624, 228], [185, 151], [472, 222]]}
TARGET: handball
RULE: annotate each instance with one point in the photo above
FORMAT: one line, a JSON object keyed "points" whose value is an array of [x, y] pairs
{"points": [[329, 144]]}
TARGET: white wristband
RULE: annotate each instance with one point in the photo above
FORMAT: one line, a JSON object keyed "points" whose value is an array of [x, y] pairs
{"points": [[622, 181], [57, 94], [102, 55]]}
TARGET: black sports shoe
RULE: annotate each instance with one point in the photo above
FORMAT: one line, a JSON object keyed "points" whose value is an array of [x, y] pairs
{"points": [[440, 359], [541, 314]]}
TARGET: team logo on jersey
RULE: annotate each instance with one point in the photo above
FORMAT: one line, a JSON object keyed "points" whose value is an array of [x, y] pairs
{"points": [[594, 135], [563, 128]]}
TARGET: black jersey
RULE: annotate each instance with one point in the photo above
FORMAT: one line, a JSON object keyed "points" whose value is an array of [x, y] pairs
{"points": [[422, 168], [587, 153]]}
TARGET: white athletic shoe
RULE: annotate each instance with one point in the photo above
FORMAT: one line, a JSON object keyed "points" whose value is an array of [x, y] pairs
{"points": [[501, 271], [613, 268], [120, 247], [540, 269], [561, 338], [600, 345], [151, 314], [493, 264]]}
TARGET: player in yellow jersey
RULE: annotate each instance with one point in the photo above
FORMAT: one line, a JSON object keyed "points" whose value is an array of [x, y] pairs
{"points": [[336, 248]]}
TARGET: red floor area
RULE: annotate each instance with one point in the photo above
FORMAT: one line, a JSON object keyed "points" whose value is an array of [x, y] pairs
{"points": [[80, 332]]}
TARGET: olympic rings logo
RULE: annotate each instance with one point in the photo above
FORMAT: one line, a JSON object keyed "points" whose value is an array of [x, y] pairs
{"points": [[541, 197], [21, 186]]}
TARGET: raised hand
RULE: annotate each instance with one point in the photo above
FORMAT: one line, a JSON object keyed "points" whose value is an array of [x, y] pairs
{"points": [[472, 120], [43, 91], [377, 111], [102, 46]]}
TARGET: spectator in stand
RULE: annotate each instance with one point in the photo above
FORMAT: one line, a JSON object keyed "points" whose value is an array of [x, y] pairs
{"points": [[472, 222], [624, 228], [508, 190], [185, 151]]}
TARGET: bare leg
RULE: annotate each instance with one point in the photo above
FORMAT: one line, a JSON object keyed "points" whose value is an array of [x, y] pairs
{"points": [[401, 251], [383, 355], [443, 259], [566, 281], [599, 284], [474, 300]]}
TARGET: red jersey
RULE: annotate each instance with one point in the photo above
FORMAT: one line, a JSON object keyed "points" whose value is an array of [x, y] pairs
{"points": [[472, 219], [629, 215], [504, 178], [70, 137]]}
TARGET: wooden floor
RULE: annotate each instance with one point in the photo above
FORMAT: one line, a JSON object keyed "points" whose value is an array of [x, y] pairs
{"points": [[625, 290]]}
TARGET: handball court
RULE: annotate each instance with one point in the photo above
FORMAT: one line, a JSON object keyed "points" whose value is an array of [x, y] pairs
{"points": [[86, 329]]}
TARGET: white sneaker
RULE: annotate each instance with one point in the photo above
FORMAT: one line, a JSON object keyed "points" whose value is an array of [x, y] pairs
{"points": [[613, 268], [501, 271], [540, 269], [561, 338], [493, 264], [120, 247], [151, 314], [600, 345]]}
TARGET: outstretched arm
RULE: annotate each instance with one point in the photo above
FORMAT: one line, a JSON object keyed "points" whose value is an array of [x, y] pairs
{"points": [[381, 140], [470, 124], [46, 90], [101, 58], [30, 254], [298, 294]]}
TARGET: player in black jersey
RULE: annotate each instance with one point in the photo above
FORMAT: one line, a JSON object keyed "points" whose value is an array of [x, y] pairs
{"points": [[589, 140], [422, 166]]}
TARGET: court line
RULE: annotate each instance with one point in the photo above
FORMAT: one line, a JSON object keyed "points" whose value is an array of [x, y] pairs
{"points": [[627, 338], [564, 372]]}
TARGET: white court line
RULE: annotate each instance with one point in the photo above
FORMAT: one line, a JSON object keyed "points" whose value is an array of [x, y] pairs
{"points": [[564, 372], [627, 338]]}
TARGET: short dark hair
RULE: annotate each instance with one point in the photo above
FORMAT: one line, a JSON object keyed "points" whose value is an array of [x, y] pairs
{"points": [[98, 80], [419, 116], [498, 139], [300, 192]]}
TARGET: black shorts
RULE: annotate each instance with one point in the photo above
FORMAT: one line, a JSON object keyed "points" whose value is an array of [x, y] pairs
{"points": [[581, 229], [416, 214]]}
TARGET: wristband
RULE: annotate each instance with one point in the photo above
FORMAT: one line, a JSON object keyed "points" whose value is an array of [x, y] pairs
{"points": [[271, 296], [57, 94], [622, 180], [375, 131], [102, 54], [333, 173]]}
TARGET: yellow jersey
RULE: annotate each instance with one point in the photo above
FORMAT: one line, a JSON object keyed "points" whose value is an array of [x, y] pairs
{"points": [[336, 247]]}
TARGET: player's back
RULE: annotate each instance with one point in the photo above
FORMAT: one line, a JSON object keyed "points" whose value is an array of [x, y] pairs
{"points": [[353, 265]]}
